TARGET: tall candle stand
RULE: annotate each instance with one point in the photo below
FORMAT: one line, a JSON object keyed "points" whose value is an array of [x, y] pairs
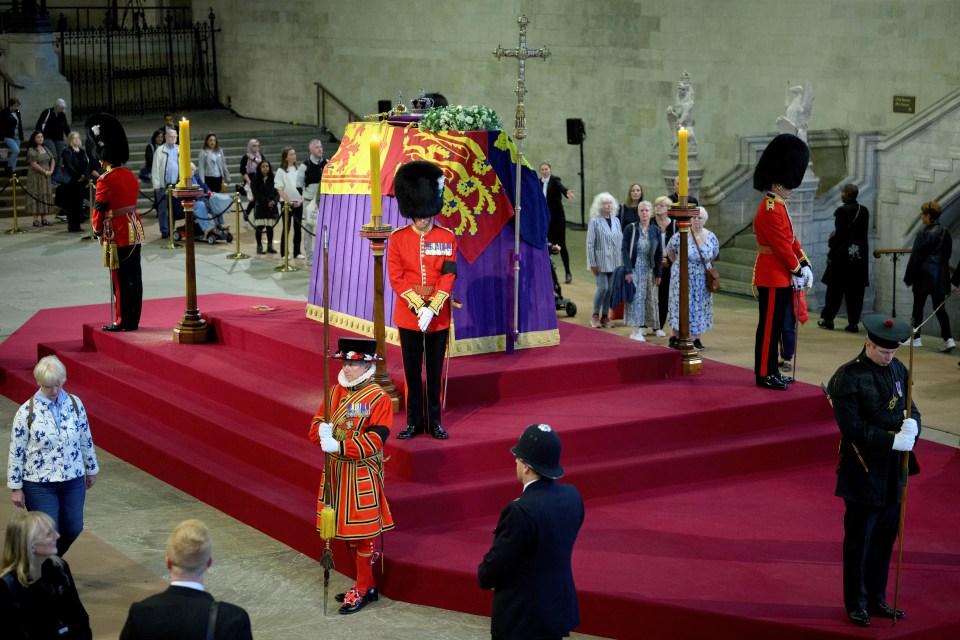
{"points": [[192, 328], [377, 233], [691, 362]]}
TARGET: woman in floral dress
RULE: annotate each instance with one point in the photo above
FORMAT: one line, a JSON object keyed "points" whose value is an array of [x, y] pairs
{"points": [[701, 300], [642, 255]]}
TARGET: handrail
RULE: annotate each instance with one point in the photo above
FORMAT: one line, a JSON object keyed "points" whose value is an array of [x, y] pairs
{"points": [[322, 94]]}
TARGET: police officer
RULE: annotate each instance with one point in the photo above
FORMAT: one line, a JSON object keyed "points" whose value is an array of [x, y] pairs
{"points": [[529, 564], [869, 402]]}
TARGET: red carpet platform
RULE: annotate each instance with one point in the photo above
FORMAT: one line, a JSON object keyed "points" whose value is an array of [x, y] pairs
{"points": [[710, 508]]}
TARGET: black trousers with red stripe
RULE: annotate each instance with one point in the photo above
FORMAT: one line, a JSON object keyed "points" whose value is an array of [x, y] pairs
{"points": [[773, 305]]}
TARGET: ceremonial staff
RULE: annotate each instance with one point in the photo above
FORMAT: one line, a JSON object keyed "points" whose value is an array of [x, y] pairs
{"points": [[328, 516], [904, 469]]}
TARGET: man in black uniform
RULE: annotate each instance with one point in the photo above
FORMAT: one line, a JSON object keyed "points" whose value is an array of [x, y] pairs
{"points": [[529, 565], [869, 402]]}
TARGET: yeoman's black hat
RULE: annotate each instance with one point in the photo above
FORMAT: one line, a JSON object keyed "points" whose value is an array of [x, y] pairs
{"points": [[362, 349]]}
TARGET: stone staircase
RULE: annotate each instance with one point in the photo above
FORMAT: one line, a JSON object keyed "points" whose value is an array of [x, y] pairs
{"points": [[735, 264], [272, 139]]}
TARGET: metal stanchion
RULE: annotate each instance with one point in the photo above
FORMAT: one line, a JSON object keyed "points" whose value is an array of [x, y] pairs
{"points": [[93, 236], [285, 239], [170, 244], [237, 255], [15, 182]]}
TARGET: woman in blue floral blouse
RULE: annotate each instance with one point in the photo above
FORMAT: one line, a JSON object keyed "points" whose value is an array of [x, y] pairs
{"points": [[52, 462]]}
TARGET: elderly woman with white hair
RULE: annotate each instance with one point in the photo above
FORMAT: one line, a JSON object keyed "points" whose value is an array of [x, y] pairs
{"points": [[38, 596], [702, 248], [52, 461], [604, 240]]}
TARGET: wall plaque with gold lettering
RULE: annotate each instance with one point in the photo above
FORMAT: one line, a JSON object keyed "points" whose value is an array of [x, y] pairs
{"points": [[904, 104]]}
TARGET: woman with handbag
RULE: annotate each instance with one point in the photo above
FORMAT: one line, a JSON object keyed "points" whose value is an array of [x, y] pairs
{"points": [[265, 199], [642, 254], [72, 176], [702, 248]]}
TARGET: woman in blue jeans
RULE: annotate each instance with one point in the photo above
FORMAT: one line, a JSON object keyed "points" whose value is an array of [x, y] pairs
{"points": [[52, 462], [604, 238]]}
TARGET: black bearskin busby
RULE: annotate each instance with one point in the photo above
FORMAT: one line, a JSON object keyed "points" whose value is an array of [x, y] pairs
{"points": [[418, 186], [783, 162], [110, 138]]}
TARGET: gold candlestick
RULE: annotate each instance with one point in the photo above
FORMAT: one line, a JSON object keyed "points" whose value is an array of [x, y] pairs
{"points": [[192, 328], [691, 362]]}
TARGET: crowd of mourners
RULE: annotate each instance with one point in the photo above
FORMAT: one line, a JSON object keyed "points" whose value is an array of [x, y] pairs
{"points": [[61, 165], [631, 250]]}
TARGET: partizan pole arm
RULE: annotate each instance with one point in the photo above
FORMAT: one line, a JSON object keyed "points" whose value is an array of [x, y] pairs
{"points": [[904, 474]]}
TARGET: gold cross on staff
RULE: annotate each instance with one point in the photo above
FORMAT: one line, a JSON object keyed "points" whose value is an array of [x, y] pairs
{"points": [[521, 53]]}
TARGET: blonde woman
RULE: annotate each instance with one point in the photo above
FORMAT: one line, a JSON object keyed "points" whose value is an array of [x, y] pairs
{"points": [[604, 239], [38, 597], [52, 462]]}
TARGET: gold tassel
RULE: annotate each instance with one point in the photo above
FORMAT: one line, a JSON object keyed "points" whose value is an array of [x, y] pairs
{"points": [[328, 522], [114, 258]]}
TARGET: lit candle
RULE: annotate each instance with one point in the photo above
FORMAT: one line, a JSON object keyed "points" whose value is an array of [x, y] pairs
{"points": [[375, 182], [185, 173], [682, 162]]}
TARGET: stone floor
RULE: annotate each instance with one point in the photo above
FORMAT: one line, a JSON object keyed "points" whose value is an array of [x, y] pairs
{"points": [[119, 558]]}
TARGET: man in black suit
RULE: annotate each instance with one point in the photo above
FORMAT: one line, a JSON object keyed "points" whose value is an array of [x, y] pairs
{"points": [[529, 564], [554, 192], [185, 611]]}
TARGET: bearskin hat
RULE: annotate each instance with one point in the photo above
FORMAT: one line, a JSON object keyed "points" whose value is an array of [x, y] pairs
{"points": [[110, 138], [418, 186], [783, 162]]}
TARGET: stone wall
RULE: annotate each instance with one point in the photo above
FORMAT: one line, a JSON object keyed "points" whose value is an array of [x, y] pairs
{"points": [[615, 64]]}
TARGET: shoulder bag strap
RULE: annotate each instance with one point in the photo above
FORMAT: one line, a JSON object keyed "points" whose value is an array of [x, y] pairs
{"points": [[30, 414], [212, 621], [697, 244]]}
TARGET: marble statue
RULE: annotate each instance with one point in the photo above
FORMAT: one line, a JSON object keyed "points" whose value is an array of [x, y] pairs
{"points": [[681, 113], [799, 104]]}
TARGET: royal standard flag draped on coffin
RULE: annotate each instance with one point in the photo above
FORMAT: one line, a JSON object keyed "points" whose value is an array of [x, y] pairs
{"points": [[477, 203]]}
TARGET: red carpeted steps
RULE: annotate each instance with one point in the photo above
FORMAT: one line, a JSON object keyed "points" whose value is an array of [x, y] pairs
{"points": [[709, 502]]}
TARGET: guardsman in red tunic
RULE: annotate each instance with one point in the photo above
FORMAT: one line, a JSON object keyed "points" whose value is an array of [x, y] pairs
{"points": [[781, 265], [116, 221], [360, 418], [422, 264]]}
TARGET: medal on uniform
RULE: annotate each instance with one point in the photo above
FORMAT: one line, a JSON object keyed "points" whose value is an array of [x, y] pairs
{"points": [[899, 389], [893, 403]]}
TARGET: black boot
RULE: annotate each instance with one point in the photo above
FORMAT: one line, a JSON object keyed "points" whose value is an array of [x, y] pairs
{"points": [[270, 248]]}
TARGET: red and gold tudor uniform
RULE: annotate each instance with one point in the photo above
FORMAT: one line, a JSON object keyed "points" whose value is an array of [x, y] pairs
{"points": [[779, 257], [360, 415], [422, 269], [117, 223]]}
